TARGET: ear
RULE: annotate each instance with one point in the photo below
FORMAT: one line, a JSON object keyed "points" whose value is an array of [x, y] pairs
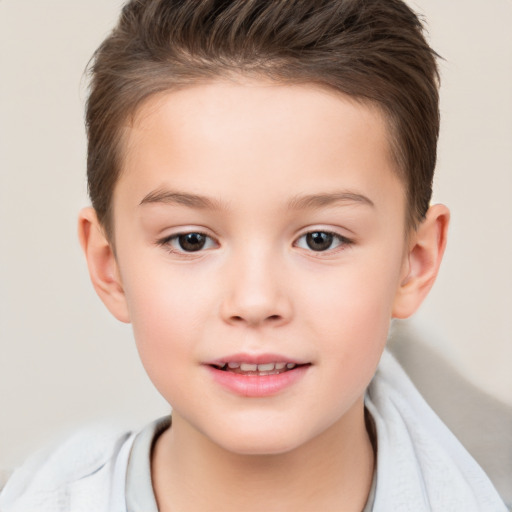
{"points": [[102, 264], [421, 264]]}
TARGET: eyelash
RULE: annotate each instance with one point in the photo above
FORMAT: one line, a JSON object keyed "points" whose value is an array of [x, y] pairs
{"points": [[342, 242], [167, 242]]}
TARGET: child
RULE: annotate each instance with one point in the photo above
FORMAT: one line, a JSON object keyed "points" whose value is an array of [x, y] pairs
{"points": [[260, 174]]}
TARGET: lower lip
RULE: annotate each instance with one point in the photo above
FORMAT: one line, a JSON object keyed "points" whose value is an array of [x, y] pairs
{"points": [[257, 385]]}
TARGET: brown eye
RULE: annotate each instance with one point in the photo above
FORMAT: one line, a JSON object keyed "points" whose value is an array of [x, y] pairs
{"points": [[191, 242], [319, 240], [188, 242], [322, 241]]}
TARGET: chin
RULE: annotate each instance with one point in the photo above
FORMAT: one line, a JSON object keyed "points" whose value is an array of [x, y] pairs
{"points": [[275, 440]]}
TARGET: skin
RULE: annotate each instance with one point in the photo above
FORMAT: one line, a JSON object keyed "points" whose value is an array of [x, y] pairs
{"points": [[271, 163]]}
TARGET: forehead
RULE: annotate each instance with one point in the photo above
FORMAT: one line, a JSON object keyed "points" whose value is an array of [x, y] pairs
{"points": [[259, 136]]}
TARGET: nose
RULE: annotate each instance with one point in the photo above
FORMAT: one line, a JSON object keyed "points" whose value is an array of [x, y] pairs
{"points": [[255, 292]]}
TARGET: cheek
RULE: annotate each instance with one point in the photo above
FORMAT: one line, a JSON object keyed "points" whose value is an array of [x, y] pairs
{"points": [[166, 328], [160, 298], [354, 308]]}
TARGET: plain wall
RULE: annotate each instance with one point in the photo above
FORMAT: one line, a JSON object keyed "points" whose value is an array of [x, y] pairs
{"points": [[64, 361]]}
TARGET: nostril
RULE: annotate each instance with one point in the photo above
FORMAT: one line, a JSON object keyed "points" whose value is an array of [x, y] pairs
{"points": [[241, 319]]}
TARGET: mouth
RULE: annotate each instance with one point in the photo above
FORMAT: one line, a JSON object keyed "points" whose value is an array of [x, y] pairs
{"points": [[257, 376], [256, 370]]}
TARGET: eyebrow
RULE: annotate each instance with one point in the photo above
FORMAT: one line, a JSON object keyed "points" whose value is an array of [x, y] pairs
{"points": [[181, 198], [321, 200], [299, 202]]}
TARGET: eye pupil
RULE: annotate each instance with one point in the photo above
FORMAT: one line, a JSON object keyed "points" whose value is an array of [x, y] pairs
{"points": [[319, 241], [192, 241]]}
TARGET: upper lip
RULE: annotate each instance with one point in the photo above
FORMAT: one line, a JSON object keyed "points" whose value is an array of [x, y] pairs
{"points": [[255, 359]]}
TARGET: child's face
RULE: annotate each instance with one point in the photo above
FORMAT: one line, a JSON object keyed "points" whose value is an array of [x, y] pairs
{"points": [[248, 170]]}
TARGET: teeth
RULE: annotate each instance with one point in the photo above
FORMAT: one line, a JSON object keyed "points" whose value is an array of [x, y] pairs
{"points": [[253, 368], [246, 367], [266, 367]]}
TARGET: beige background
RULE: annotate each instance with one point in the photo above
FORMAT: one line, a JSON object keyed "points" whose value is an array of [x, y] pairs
{"points": [[64, 361]]}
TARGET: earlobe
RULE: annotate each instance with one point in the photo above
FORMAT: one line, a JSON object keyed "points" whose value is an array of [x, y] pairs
{"points": [[422, 262], [102, 264]]}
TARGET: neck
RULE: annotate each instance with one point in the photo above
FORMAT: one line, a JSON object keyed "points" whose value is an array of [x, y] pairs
{"points": [[332, 471]]}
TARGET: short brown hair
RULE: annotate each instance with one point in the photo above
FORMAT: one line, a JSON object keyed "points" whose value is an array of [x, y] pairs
{"points": [[372, 50]]}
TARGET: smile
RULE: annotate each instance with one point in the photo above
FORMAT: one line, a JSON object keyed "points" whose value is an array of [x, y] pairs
{"points": [[252, 369], [257, 376]]}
